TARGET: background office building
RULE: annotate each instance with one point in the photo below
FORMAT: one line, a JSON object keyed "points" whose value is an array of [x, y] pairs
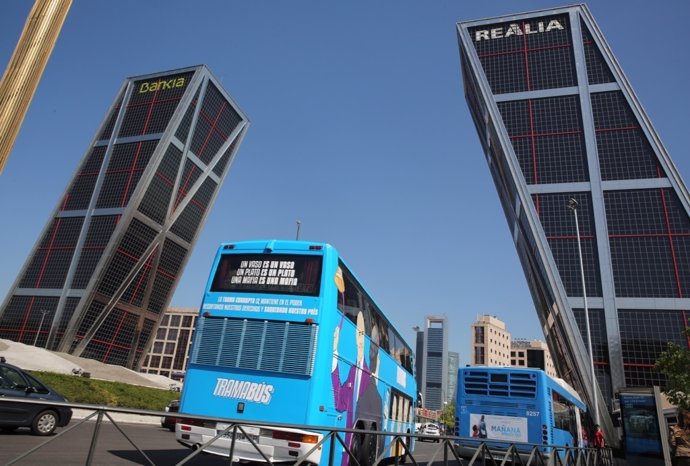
{"points": [[558, 120], [493, 345], [490, 342], [102, 272], [169, 353], [432, 367], [532, 353]]}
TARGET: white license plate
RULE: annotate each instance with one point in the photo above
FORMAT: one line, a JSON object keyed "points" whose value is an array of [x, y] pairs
{"points": [[251, 432]]}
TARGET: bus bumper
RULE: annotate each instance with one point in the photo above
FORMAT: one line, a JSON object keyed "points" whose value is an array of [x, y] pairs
{"points": [[276, 445]]}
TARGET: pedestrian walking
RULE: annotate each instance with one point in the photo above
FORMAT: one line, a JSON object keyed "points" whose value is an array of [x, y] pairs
{"points": [[598, 439]]}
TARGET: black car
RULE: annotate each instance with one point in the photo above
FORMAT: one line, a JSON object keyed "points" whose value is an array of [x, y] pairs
{"points": [[42, 419], [169, 421]]}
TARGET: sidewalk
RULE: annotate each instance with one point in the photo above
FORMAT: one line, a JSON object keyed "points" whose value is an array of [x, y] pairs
{"points": [[119, 417]]}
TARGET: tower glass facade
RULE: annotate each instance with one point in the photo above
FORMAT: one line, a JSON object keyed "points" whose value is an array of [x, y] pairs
{"points": [[105, 267], [558, 120], [435, 366]]}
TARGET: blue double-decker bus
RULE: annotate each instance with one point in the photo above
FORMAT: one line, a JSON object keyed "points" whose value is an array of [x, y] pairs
{"points": [[287, 335], [507, 405]]}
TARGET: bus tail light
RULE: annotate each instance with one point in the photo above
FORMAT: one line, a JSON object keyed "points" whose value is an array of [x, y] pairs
{"points": [[290, 436], [544, 434], [186, 424]]}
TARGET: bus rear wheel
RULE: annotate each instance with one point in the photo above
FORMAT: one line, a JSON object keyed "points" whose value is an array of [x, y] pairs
{"points": [[356, 448], [368, 455]]}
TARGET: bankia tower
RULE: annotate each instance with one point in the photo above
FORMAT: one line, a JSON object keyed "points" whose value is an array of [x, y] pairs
{"points": [[558, 120], [104, 268]]}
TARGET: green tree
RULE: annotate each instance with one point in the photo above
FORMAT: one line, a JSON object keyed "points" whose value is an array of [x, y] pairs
{"points": [[448, 417], [674, 363]]}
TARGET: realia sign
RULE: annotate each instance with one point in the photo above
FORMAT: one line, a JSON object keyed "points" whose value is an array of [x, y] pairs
{"points": [[515, 29]]}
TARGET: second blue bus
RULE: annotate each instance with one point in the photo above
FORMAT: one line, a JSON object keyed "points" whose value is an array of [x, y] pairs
{"points": [[507, 405]]}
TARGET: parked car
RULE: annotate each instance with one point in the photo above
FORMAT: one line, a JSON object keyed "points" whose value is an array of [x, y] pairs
{"points": [[430, 429], [168, 422], [42, 419]]}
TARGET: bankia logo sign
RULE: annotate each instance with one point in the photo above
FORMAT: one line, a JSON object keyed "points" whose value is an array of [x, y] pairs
{"points": [[517, 29], [161, 85]]}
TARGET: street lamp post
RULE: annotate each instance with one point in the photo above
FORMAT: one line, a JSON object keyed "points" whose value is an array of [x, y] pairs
{"points": [[40, 326], [573, 205], [298, 225]]}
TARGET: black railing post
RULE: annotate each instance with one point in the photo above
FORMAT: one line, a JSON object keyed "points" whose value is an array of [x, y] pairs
{"points": [[232, 444], [94, 438], [331, 449]]}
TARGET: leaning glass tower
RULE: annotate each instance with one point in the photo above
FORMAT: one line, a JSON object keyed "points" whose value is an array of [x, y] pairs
{"points": [[106, 264], [559, 121]]}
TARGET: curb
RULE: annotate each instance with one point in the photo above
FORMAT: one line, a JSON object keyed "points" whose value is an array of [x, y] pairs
{"points": [[119, 417]]}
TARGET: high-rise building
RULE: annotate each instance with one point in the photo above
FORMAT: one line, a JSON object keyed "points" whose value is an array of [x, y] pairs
{"points": [[169, 352], [453, 365], [532, 353], [434, 378], [490, 342], [102, 272], [419, 357], [558, 120]]}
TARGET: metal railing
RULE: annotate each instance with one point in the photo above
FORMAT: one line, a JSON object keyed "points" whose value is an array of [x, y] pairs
{"points": [[475, 453]]}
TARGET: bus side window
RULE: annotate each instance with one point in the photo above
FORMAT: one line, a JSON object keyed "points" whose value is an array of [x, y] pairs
{"points": [[368, 315], [350, 303], [406, 359], [398, 350], [392, 349], [385, 343]]}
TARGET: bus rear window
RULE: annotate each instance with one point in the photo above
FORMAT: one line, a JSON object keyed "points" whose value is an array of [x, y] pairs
{"points": [[275, 273]]}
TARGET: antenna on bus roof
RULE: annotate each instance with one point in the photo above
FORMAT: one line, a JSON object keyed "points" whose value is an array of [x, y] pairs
{"points": [[298, 225]]}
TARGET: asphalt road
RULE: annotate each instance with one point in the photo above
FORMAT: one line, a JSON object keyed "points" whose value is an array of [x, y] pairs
{"points": [[112, 448]]}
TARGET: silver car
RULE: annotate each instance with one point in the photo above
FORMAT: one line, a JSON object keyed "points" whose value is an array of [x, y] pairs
{"points": [[430, 429]]}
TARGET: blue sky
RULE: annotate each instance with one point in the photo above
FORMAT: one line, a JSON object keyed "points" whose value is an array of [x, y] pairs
{"points": [[359, 129]]}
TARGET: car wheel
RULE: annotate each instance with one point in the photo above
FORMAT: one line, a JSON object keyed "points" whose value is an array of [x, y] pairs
{"points": [[45, 423]]}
